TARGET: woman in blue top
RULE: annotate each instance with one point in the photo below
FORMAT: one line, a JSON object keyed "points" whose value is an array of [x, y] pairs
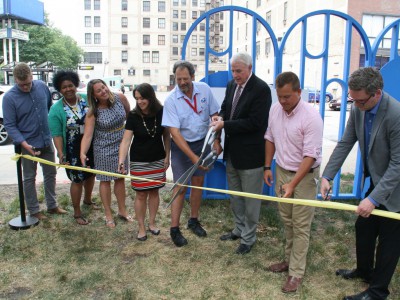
{"points": [[66, 122]]}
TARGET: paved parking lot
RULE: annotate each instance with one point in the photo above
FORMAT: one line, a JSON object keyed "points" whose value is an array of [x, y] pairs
{"points": [[8, 174]]}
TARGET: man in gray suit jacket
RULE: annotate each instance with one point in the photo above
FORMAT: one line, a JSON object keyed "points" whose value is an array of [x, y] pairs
{"points": [[375, 123]]}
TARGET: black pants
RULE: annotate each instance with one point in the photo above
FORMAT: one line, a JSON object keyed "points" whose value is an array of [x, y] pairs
{"points": [[387, 232]]}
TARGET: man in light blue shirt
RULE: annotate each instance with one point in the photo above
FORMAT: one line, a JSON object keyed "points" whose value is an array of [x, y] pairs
{"points": [[187, 113], [26, 106]]}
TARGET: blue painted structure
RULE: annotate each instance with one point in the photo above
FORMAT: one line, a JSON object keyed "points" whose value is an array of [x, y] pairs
{"points": [[25, 11], [389, 71]]}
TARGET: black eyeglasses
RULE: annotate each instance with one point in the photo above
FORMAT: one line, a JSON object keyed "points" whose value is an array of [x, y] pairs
{"points": [[359, 100]]}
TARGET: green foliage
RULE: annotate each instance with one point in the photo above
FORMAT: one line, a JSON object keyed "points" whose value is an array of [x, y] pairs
{"points": [[49, 44]]}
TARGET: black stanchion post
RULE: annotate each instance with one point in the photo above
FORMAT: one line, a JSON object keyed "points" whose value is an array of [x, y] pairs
{"points": [[23, 221]]}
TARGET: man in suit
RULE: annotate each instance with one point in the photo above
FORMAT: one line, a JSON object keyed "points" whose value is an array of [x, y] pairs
{"points": [[294, 136], [244, 117], [374, 122]]}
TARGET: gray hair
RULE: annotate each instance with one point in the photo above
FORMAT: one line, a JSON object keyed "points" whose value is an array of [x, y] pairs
{"points": [[368, 79], [242, 57], [22, 71], [183, 64]]}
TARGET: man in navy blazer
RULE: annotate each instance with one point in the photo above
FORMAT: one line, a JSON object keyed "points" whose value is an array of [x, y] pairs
{"points": [[244, 117], [375, 123]]}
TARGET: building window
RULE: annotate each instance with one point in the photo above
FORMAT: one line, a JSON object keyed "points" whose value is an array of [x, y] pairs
{"points": [[124, 22], [175, 38], [146, 5], [146, 39], [175, 14], [97, 38], [155, 57], [201, 51], [183, 2], [202, 26], [267, 46], [131, 72], [124, 56], [194, 2], [117, 72], [124, 4], [93, 58], [146, 22], [268, 17], [182, 38], [221, 40], [96, 21], [161, 6], [194, 52], [373, 25], [194, 39], [96, 4], [258, 49], [124, 39], [88, 21], [183, 26], [258, 3], [175, 2], [146, 73], [161, 23], [88, 38], [194, 14], [175, 26], [175, 51], [221, 27], [202, 39], [161, 39], [203, 3], [183, 14], [285, 10], [88, 4], [146, 57]]}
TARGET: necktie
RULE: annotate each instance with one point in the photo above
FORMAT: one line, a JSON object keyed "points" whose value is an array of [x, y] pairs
{"points": [[236, 99]]}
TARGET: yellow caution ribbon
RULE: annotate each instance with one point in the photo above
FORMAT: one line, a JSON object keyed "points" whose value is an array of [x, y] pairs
{"points": [[306, 202]]}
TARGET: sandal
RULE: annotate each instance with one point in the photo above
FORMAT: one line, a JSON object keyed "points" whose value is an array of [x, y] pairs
{"points": [[81, 220], [154, 231], [128, 218], [110, 223], [92, 204]]}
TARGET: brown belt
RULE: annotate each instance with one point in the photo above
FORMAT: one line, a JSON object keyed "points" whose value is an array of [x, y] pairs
{"points": [[311, 170]]}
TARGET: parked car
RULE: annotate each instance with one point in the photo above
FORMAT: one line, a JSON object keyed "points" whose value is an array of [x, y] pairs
{"points": [[55, 95], [4, 137], [335, 104], [314, 95]]}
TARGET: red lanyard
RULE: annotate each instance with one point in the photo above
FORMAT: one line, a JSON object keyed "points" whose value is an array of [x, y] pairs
{"points": [[194, 107]]}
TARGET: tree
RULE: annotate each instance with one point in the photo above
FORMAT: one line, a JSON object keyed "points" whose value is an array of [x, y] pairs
{"points": [[49, 44]]}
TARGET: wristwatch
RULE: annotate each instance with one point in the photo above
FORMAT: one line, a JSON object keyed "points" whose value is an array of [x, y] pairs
{"points": [[267, 168]]}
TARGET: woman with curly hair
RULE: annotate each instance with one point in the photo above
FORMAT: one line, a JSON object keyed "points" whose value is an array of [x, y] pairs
{"points": [[66, 121]]}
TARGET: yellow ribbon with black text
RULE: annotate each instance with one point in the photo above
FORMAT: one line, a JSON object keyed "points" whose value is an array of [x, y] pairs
{"points": [[315, 203]]}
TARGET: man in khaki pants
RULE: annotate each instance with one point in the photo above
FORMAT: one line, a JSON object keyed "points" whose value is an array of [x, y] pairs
{"points": [[294, 135]]}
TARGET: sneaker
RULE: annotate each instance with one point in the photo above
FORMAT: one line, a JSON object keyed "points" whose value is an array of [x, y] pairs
{"points": [[178, 238], [195, 226]]}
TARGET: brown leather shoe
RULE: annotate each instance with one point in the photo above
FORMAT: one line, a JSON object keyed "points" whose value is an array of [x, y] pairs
{"points": [[39, 215], [279, 267], [56, 211], [291, 285]]}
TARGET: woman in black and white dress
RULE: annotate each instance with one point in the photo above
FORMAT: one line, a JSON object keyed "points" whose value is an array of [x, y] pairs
{"points": [[149, 155]]}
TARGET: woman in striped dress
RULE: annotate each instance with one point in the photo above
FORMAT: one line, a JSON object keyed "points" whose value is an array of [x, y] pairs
{"points": [[149, 155]]}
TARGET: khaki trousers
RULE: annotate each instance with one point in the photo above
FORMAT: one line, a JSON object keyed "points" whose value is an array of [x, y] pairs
{"points": [[297, 219]]}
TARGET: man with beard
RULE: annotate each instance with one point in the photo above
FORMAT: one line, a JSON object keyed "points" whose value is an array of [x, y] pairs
{"points": [[187, 112]]}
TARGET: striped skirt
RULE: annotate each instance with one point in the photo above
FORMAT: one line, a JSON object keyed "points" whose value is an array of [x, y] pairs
{"points": [[154, 172]]}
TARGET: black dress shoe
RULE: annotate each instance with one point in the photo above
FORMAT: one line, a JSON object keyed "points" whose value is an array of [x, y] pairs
{"points": [[229, 237], [196, 228], [361, 296], [142, 238], [178, 238], [243, 249], [352, 274]]}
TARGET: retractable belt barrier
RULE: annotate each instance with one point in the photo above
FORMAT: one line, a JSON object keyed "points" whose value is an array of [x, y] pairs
{"points": [[306, 202]]}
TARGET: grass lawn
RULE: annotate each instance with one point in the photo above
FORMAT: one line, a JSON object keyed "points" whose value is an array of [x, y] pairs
{"points": [[59, 259]]}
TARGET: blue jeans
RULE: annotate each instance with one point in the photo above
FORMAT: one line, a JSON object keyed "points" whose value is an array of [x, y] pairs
{"points": [[29, 169]]}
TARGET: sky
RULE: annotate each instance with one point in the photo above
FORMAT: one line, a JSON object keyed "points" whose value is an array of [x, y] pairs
{"points": [[61, 14]]}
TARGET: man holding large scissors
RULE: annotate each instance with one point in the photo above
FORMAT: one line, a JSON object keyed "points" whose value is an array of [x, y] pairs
{"points": [[187, 112]]}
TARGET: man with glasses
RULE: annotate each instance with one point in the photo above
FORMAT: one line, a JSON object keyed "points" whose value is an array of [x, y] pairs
{"points": [[25, 108], [374, 122]]}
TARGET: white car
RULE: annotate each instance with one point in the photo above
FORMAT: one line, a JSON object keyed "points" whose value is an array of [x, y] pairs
{"points": [[4, 138]]}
